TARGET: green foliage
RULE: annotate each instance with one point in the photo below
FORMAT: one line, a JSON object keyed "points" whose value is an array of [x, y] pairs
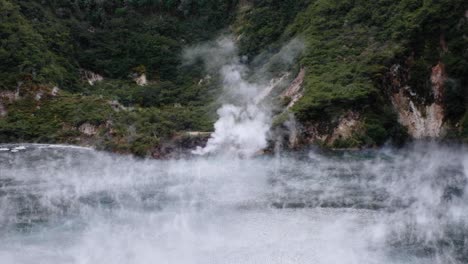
{"points": [[155, 94], [347, 143], [382, 125], [49, 42], [26, 50], [454, 99], [280, 119], [142, 145], [57, 120], [45, 120], [263, 24], [141, 130], [352, 44]]}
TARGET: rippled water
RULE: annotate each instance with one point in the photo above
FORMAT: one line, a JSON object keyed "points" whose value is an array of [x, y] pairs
{"points": [[73, 205]]}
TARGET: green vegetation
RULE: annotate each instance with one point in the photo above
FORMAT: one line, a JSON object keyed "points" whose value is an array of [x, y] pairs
{"points": [[61, 118], [48, 119], [29, 52], [47, 44], [351, 45], [263, 22]]}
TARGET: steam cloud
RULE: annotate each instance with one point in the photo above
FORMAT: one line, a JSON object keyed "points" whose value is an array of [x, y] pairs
{"points": [[407, 206], [244, 118]]}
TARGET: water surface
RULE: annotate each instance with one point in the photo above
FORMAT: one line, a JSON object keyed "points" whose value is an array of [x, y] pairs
{"points": [[75, 205]]}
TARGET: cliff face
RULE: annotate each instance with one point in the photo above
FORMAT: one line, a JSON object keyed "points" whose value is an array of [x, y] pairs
{"points": [[422, 115], [294, 92], [422, 118], [329, 132], [383, 77]]}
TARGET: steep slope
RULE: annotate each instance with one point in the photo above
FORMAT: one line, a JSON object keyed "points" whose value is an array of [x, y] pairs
{"points": [[111, 73], [376, 58]]}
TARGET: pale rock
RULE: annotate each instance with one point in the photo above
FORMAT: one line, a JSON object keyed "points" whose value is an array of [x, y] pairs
{"points": [[38, 96], [347, 125], [91, 77], [9, 95], [294, 91], [423, 121], [55, 91], [88, 129], [275, 82], [141, 80]]}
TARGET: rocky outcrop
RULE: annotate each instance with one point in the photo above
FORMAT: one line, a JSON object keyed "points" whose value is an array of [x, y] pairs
{"points": [[348, 124], [438, 78], [88, 129], [90, 77], [9, 96], [38, 95], [422, 121], [55, 91], [36, 92], [274, 84], [141, 79], [341, 132], [328, 133], [294, 91], [205, 80], [6, 97], [422, 118], [322, 132]]}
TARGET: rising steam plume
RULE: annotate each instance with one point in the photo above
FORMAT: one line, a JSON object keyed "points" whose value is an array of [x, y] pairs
{"points": [[244, 117]]}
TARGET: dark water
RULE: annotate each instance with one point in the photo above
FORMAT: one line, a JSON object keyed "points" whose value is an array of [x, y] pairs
{"points": [[73, 205]]}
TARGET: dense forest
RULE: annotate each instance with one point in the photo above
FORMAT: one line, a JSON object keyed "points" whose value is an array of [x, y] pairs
{"points": [[111, 73]]}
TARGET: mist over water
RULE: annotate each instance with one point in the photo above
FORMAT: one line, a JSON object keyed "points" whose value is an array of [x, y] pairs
{"points": [[61, 204], [71, 205]]}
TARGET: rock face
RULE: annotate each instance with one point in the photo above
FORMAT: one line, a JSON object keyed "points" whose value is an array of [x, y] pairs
{"points": [[423, 120], [337, 133], [8, 97], [328, 133], [275, 83], [294, 91], [91, 77], [141, 80], [55, 91], [324, 132], [88, 129], [348, 123]]}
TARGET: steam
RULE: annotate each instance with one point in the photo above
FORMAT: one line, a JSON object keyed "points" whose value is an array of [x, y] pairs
{"points": [[244, 118], [410, 206]]}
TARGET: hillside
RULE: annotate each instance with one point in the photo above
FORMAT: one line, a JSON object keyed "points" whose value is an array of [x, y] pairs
{"points": [[112, 74]]}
